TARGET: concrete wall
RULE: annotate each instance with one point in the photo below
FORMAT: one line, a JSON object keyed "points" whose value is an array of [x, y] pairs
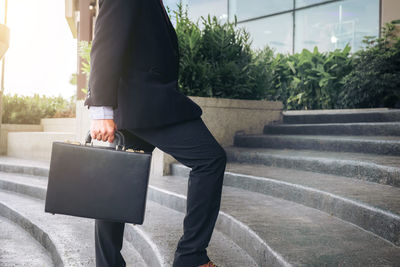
{"points": [[223, 117], [390, 10], [6, 128], [34, 145], [46, 125], [58, 124]]}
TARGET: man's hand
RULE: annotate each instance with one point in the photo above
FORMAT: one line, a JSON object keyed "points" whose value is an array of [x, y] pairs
{"points": [[103, 130]]}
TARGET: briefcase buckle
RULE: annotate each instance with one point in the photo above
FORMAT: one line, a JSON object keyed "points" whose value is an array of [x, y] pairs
{"points": [[122, 147], [91, 143], [134, 150], [73, 142]]}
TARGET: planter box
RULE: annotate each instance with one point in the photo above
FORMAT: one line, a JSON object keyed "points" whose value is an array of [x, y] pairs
{"points": [[58, 124], [224, 118], [34, 145], [6, 128]]}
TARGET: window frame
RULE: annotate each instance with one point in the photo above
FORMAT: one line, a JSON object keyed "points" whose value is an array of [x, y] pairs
{"points": [[293, 11]]}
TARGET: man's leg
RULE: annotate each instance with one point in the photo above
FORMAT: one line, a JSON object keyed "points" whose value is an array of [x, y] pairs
{"points": [[108, 243], [192, 144], [109, 235]]}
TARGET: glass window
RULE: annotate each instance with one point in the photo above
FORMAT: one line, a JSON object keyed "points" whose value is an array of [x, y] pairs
{"points": [[334, 25], [276, 31], [247, 9], [302, 3], [171, 5], [198, 8]]}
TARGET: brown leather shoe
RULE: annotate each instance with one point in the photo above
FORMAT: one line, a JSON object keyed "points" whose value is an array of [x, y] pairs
{"points": [[209, 264]]}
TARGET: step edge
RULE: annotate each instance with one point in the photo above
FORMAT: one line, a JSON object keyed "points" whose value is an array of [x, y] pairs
{"points": [[36, 232], [42, 192], [24, 169], [310, 189], [134, 235], [320, 159], [140, 235], [35, 191], [39, 192], [383, 217], [328, 124], [306, 188], [339, 111], [331, 138], [269, 255], [138, 231]]}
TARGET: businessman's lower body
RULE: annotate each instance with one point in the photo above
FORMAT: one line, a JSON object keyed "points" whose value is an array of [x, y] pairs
{"points": [[192, 144]]}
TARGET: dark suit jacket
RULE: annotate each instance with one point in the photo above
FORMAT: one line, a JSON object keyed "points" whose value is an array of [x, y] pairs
{"points": [[135, 65]]}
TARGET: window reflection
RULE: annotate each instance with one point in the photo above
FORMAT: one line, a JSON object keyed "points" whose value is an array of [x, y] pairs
{"points": [[303, 3], [276, 31], [198, 8], [333, 25], [245, 9], [328, 26]]}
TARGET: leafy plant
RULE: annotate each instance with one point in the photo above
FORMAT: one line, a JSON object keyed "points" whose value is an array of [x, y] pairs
{"points": [[21, 109], [217, 61], [310, 80], [375, 77], [84, 48]]}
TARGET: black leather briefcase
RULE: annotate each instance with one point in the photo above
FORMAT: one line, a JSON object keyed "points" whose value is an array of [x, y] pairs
{"points": [[98, 182]]}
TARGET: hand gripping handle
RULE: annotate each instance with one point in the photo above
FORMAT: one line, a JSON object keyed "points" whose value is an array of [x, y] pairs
{"points": [[118, 136]]}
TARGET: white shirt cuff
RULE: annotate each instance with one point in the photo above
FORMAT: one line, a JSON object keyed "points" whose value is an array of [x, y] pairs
{"points": [[101, 112]]}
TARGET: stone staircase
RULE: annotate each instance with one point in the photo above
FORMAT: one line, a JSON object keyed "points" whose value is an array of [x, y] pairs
{"points": [[320, 189], [69, 240]]}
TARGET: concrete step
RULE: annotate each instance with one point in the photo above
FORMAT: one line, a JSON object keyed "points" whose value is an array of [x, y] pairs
{"points": [[276, 235], [163, 226], [59, 234], [25, 166], [382, 169], [338, 116], [34, 145], [150, 239], [382, 145], [358, 128], [279, 232], [363, 203], [18, 248], [373, 207]]}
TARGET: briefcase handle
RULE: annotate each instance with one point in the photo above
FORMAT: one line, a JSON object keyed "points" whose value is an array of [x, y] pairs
{"points": [[117, 136]]}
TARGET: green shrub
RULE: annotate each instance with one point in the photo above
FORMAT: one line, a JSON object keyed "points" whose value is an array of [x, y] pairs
{"points": [[375, 77], [368, 78], [310, 80], [217, 61], [30, 109], [84, 48]]}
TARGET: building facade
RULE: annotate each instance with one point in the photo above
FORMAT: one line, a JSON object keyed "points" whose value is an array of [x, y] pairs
{"points": [[288, 26]]}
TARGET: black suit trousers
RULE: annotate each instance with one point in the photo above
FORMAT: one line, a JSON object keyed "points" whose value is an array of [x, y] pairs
{"points": [[192, 144]]}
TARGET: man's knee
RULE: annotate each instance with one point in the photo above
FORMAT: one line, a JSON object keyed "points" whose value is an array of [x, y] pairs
{"points": [[222, 155], [216, 159]]}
